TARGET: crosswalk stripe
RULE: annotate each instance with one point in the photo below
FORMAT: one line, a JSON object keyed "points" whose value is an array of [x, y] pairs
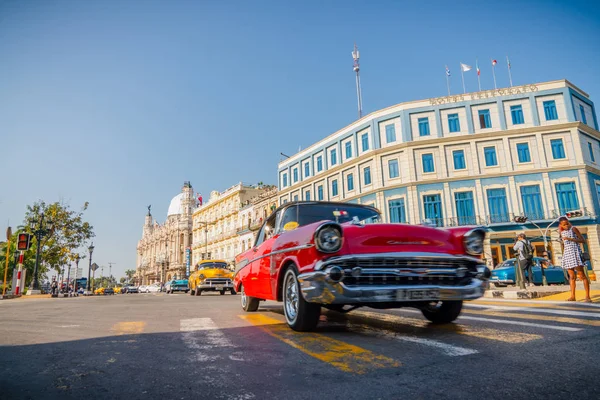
{"points": [[448, 349], [566, 320], [533, 303], [128, 328], [538, 310], [547, 302], [482, 333], [508, 322], [341, 355], [213, 338]]}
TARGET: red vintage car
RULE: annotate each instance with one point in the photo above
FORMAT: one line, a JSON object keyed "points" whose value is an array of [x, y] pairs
{"points": [[340, 256]]}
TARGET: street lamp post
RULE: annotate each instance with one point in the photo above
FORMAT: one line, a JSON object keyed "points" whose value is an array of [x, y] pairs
{"points": [[91, 249], [77, 257], [39, 229]]}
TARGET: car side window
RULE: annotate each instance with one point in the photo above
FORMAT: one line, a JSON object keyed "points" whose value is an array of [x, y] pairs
{"points": [[290, 215], [266, 231]]}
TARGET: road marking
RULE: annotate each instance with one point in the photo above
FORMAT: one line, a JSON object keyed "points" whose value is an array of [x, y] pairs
{"points": [[546, 302], [67, 326], [482, 333], [533, 304], [509, 322], [536, 317], [448, 349], [343, 356], [212, 338], [129, 328], [539, 310]]}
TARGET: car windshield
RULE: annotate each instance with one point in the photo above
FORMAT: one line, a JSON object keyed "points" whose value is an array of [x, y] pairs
{"points": [[305, 214], [213, 265]]}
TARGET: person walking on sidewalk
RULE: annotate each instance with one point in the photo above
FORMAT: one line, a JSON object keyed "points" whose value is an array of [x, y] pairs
{"points": [[572, 259], [525, 260]]}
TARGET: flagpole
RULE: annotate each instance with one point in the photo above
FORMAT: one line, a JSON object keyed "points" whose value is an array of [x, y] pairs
{"points": [[509, 73], [477, 70], [448, 83], [462, 74], [494, 73]]}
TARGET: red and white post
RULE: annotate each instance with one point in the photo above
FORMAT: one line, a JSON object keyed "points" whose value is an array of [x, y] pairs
{"points": [[19, 273]]}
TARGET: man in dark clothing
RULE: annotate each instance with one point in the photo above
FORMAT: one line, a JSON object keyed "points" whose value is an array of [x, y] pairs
{"points": [[524, 250]]}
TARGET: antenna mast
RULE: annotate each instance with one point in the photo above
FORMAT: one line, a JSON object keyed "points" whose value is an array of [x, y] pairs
{"points": [[356, 57]]}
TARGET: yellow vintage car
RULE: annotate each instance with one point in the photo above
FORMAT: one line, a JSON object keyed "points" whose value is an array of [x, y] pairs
{"points": [[99, 291], [211, 276]]}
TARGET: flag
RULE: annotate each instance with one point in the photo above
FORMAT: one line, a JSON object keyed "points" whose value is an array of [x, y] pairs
{"points": [[199, 198], [508, 62], [477, 68], [447, 71], [465, 67], [494, 62]]}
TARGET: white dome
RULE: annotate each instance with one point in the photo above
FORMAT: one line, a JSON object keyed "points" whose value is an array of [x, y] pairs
{"points": [[175, 208]]}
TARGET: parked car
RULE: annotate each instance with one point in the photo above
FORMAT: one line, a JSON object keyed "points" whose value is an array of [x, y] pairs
{"points": [[179, 285], [100, 290], [142, 288], [109, 291], [154, 288], [504, 274], [334, 255], [211, 276], [129, 288]]}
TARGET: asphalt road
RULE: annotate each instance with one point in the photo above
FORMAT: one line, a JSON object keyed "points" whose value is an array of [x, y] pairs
{"points": [[148, 346]]}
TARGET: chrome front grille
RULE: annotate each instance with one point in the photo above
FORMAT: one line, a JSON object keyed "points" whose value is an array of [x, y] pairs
{"points": [[366, 279], [217, 281], [431, 263]]}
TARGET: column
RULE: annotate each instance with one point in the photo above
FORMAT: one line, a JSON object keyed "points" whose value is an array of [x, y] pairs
{"points": [[593, 239]]}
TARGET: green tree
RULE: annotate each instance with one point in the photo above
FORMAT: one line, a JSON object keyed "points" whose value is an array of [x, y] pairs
{"points": [[130, 273], [70, 232], [122, 280]]}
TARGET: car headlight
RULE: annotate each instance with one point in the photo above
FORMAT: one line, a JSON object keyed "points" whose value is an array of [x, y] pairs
{"points": [[473, 241], [201, 276], [328, 238]]}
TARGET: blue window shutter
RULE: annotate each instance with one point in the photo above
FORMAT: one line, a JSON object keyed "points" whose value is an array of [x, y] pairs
{"points": [[319, 164], [582, 111], [428, 165], [459, 159], [484, 119], [397, 211], [334, 188], [453, 123], [516, 113], [550, 110], [591, 150], [306, 170], [348, 147], [307, 196], [350, 180], [432, 205], [390, 133], [465, 208], [490, 156], [424, 126], [393, 168], [567, 197], [558, 149], [285, 183], [367, 173], [532, 202], [523, 152], [498, 206], [320, 193], [333, 157], [365, 141]]}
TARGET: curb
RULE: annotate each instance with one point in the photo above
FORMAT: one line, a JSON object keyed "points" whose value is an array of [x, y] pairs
{"points": [[519, 294]]}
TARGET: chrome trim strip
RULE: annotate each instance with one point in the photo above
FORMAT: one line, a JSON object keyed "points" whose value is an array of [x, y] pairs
{"points": [[401, 255], [248, 262]]}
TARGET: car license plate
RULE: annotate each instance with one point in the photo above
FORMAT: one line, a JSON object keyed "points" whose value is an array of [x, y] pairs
{"points": [[417, 294], [219, 287]]}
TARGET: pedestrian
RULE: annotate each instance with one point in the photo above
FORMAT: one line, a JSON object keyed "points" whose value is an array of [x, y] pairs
{"points": [[54, 286], [524, 249], [572, 260]]}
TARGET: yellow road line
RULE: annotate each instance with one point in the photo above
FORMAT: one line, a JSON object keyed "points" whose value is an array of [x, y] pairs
{"points": [[510, 314], [128, 328], [533, 305], [341, 355], [482, 333], [579, 294]]}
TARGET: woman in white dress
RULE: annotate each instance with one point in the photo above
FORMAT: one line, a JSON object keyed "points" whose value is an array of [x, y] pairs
{"points": [[572, 260]]}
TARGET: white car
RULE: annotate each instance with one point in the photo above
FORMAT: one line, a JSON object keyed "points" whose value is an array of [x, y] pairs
{"points": [[142, 288], [154, 288]]}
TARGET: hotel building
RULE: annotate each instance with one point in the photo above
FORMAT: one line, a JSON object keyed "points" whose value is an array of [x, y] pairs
{"points": [[473, 159]]}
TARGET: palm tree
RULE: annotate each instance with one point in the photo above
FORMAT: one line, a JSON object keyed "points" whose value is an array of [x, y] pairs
{"points": [[130, 273]]}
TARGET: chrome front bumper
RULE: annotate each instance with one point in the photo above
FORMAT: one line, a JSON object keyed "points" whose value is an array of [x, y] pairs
{"points": [[316, 287], [213, 286]]}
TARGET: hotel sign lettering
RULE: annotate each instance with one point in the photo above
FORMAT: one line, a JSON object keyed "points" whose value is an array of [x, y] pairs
{"points": [[483, 95]]}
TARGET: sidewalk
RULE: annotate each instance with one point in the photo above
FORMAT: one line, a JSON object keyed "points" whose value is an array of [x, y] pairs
{"points": [[554, 292]]}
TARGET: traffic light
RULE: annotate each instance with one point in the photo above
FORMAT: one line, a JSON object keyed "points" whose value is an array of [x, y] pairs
{"points": [[573, 214], [520, 219], [23, 241]]}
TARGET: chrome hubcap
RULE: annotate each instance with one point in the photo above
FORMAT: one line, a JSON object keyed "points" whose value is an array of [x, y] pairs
{"points": [[244, 299], [291, 297]]}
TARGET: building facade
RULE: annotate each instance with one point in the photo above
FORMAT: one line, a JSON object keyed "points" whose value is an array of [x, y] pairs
{"points": [[479, 158], [216, 223], [253, 214], [162, 251]]}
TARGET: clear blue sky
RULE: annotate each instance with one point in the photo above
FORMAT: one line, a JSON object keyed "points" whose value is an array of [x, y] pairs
{"points": [[118, 102]]}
